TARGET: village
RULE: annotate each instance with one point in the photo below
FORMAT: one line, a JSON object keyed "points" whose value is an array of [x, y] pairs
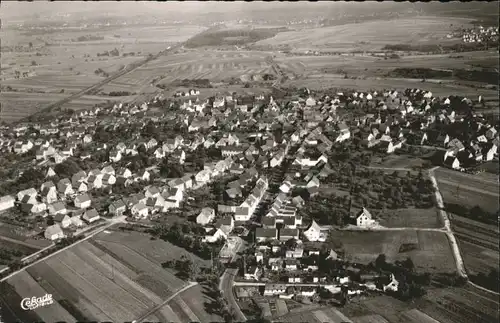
{"points": [[266, 157]]}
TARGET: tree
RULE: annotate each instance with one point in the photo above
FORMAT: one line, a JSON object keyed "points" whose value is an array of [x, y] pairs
{"points": [[381, 261], [33, 63], [31, 175], [408, 264], [30, 45]]}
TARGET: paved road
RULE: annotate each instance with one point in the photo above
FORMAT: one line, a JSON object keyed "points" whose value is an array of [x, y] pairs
{"points": [[99, 230], [157, 307]]}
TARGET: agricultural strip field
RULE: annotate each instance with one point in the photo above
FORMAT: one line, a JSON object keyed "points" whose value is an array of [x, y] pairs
{"points": [[17, 105], [430, 251], [478, 243], [156, 251], [410, 218], [326, 81], [369, 65], [92, 281], [446, 305], [371, 35], [213, 65], [469, 190]]}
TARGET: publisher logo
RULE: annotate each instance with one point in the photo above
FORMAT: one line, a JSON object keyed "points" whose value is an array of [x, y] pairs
{"points": [[29, 304]]}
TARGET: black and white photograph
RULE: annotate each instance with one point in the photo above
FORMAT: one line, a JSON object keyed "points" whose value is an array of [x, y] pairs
{"points": [[249, 161]]}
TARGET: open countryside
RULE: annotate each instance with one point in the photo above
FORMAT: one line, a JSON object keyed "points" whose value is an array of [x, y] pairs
{"points": [[260, 162]]}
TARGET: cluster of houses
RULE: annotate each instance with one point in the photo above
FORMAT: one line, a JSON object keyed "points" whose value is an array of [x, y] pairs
{"points": [[480, 34], [190, 92]]}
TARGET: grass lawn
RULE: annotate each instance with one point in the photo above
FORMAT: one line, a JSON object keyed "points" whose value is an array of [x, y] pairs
{"points": [[430, 252], [398, 161], [157, 251], [411, 217]]}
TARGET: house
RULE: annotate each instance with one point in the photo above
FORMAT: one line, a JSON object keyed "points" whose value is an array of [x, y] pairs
{"points": [[152, 191], [91, 216], [364, 219], [54, 232], [295, 253], [491, 133], [144, 176], [242, 214], [291, 264], [108, 170], [32, 206], [64, 220], [57, 208], [489, 150], [392, 285], [452, 162], [65, 187], [6, 202], [287, 234], [274, 289], [115, 156], [202, 176], [253, 273], [139, 210], [234, 192], [76, 221], [314, 233], [307, 291], [124, 172], [108, 180], [30, 192], [117, 208], [48, 192], [206, 216], [82, 201], [262, 234], [80, 187]]}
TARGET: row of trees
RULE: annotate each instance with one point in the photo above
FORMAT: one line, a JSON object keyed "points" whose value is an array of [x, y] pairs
{"points": [[187, 237]]}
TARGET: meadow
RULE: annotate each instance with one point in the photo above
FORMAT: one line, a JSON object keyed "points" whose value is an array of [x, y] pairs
{"points": [[430, 252], [370, 35], [469, 190], [115, 276]]}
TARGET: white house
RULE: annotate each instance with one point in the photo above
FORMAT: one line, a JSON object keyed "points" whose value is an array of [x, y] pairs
{"points": [[206, 216], [91, 216], [6, 202], [364, 219], [82, 201], [314, 233], [54, 232], [139, 210]]}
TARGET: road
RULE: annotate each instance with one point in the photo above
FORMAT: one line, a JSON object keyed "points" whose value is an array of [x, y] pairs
{"points": [[97, 231], [456, 251], [226, 287], [157, 307]]}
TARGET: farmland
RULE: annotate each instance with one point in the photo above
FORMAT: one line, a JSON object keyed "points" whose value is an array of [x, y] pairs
{"points": [[445, 305], [411, 218], [469, 190], [430, 251], [58, 66], [105, 280], [17, 105], [371, 35]]}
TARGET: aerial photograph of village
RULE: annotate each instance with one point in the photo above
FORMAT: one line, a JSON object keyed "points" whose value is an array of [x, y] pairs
{"points": [[319, 162]]}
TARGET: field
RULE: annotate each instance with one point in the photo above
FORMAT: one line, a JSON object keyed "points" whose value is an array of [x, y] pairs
{"points": [[17, 105], [469, 190], [69, 66], [397, 161], [445, 305], [371, 35], [104, 280], [410, 218], [431, 253], [478, 243]]}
